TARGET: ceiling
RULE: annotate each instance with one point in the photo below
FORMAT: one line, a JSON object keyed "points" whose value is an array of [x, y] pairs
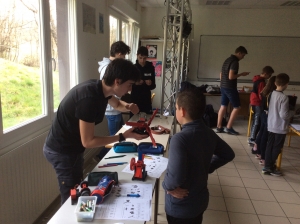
{"points": [[241, 4]]}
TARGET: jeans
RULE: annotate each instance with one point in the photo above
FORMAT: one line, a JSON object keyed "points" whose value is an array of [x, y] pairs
{"points": [[256, 122], [115, 123], [196, 220], [262, 137], [231, 95], [68, 168]]}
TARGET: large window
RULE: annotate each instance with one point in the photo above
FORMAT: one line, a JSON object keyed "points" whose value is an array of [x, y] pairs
{"points": [[30, 78], [122, 28]]}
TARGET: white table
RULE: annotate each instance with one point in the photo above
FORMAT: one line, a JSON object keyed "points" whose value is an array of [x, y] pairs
{"points": [[66, 213]]}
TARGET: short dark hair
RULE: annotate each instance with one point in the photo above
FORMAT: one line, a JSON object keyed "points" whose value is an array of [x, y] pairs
{"points": [[268, 70], [193, 101], [142, 51], [282, 79], [121, 69], [119, 47], [241, 49]]}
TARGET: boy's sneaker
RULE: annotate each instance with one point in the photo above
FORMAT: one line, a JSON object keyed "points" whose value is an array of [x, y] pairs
{"points": [[266, 171], [231, 131], [276, 173], [251, 141], [219, 130]]}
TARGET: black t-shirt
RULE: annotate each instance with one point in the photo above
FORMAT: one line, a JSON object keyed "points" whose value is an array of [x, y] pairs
{"points": [[141, 94], [86, 102], [231, 63]]}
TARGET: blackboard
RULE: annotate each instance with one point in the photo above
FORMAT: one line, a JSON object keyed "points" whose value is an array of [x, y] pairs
{"points": [[282, 53]]}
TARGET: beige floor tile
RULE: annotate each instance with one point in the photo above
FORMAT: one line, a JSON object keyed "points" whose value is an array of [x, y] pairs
{"points": [[250, 174], [213, 179], [215, 190], [216, 203], [291, 210], [215, 217], [229, 165], [272, 219], [260, 194], [238, 218], [239, 205], [268, 208], [235, 192], [279, 185], [294, 221], [227, 172], [255, 183], [244, 166], [239, 158], [231, 181], [287, 197]]}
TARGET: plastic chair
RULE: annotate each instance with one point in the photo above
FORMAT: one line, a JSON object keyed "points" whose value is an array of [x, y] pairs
{"points": [[250, 119]]}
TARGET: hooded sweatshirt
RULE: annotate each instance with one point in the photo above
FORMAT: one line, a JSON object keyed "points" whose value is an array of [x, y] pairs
{"points": [[102, 68], [258, 85]]}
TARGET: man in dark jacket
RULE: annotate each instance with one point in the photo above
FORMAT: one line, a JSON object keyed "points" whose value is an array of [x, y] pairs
{"points": [[141, 91]]}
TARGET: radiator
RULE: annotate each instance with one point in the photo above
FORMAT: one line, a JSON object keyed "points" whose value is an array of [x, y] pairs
{"points": [[28, 183]]}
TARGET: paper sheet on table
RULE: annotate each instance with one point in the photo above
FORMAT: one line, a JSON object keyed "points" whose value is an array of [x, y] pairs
{"points": [[155, 166], [127, 126], [296, 126], [120, 207]]}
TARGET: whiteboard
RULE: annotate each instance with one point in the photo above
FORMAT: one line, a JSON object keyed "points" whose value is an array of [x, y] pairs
{"points": [[281, 53]]}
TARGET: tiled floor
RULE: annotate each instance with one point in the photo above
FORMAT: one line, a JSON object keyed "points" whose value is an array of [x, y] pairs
{"points": [[241, 194]]}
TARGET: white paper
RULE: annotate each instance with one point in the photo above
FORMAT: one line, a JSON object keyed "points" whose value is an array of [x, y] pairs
{"points": [[127, 208], [127, 127], [296, 126], [155, 166]]}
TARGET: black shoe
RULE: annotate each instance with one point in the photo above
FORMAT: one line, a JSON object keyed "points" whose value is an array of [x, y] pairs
{"points": [[231, 131], [219, 130]]}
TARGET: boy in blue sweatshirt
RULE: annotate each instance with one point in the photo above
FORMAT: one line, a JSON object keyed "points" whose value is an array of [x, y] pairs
{"points": [[194, 152], [278, 122]]}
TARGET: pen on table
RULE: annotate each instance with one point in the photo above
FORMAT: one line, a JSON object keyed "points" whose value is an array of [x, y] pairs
{"points": [[108, 165], [131, 195], [115, 157], [119, 163]]}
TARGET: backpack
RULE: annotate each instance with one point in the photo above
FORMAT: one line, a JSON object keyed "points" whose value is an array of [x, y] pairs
{"points": [[210, 117]]}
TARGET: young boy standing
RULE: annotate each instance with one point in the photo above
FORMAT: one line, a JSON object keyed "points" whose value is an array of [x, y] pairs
{"points": [[278, 121], [194, 152], [255, 99]]}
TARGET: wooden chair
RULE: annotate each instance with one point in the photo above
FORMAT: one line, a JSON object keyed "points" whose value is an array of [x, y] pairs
{"points": [[251, 112]]}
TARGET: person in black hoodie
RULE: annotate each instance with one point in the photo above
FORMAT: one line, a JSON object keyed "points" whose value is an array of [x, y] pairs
{"points": [[141, 91]]}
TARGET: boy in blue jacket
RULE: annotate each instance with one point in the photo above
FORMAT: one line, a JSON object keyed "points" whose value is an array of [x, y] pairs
{"points": [[194, 152]]}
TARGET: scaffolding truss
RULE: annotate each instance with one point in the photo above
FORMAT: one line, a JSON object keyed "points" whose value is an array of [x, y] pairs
{"points": [[177, 28]]}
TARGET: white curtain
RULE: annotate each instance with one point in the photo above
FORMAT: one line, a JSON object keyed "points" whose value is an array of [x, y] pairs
{"points": [[134, 42]]}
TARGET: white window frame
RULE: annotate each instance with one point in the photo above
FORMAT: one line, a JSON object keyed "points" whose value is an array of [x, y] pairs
{"points": [[26, 131]]}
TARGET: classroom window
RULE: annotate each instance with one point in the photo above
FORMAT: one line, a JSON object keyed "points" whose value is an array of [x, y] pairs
{"points": [[30, 81], [113, 25]]}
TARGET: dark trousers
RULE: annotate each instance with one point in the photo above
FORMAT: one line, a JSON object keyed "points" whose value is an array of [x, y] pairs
{"points": [[196, 220], [274, 146], [256, 122], [262, 137], [68, 168]]}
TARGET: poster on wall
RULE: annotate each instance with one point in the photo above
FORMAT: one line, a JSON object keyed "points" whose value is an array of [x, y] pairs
{"points": [[158, 68], [101, 23], [89, 19], [152, 51]]}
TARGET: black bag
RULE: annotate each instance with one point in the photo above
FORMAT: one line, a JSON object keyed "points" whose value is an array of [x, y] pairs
{"points": [[95, 177], [210, 117]]}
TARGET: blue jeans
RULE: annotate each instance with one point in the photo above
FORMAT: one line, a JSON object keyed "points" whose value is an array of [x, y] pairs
{"points": [[68, 168], [115, 123], [230, 95], [256, 122]]}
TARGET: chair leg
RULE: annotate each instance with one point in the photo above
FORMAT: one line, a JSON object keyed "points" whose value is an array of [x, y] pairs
{"points": [[278, 163], [249, 123]]}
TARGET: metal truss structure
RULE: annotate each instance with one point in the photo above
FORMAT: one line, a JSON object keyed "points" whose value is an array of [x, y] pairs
{"points": [[177, 28]]}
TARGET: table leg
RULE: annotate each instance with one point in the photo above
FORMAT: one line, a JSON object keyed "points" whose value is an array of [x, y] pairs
{"points": [[156, 200]]}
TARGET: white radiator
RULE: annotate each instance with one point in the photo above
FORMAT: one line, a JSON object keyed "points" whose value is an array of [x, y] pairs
{"points": [[28, 183]]}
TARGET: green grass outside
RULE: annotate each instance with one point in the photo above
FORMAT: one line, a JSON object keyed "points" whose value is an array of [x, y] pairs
{"points": [[21, 92]]}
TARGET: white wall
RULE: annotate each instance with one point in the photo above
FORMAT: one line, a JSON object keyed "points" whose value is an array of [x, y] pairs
{"points": [[207, 21]]}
